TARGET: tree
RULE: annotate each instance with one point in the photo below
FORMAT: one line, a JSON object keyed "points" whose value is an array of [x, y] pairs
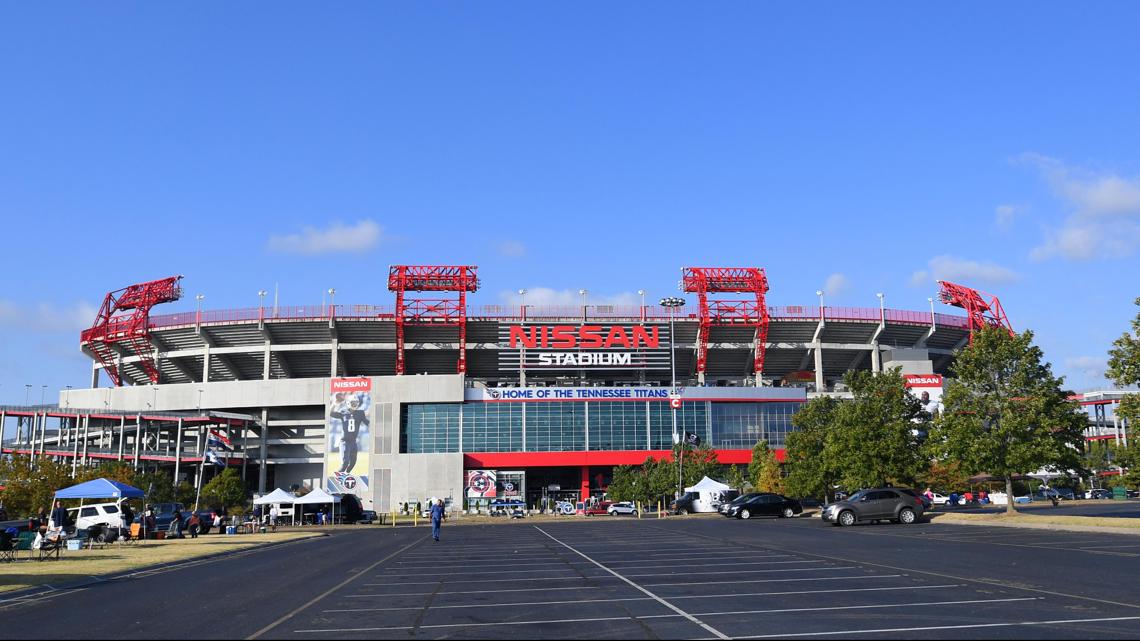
{"points": [[225, 490], [735, 478], [875, 436], [944, 477], [30, 485], [1124, 370], [699, 462], [760, 453], [810, 472], [1006, 413]]}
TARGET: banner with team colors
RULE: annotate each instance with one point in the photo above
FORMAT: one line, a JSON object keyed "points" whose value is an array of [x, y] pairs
{"points": [[350, 419]]}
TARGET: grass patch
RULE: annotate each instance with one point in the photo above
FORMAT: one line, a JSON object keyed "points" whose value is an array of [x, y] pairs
{"points": [[82, 564], [1030, 519]]}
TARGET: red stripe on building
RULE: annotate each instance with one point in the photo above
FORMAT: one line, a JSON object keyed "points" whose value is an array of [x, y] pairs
{"points": [[506, 460]]}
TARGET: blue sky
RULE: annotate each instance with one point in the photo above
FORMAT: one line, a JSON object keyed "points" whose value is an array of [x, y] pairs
{"points": [[589, 145]]}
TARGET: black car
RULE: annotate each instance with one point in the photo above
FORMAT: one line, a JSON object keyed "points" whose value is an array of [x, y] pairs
{"points": [[763, 504], [1100, 494]]}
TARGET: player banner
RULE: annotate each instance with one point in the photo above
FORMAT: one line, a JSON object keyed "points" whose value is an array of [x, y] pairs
{"points": [[350, 419], [927, 388], [481, 484]]}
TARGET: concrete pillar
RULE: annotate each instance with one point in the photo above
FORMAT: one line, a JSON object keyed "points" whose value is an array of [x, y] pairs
{"points": [[94, 375], [75, 446], [86, 436], [876, 358], [584, 490], [333, 353], [206, 363], [819, 384], [122, 434], [261, 478], [265, 362], [138, 438], [178, 453]]}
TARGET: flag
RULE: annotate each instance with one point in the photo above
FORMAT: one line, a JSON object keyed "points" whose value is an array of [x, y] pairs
{"points": [[212, 458], [216, 440], [692, 439]]}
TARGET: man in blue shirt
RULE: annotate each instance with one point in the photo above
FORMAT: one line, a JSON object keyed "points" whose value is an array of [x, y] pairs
{"points": [[436, 518]]}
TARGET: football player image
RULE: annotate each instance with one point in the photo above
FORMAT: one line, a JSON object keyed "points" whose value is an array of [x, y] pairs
{"points": [[352, 420]]}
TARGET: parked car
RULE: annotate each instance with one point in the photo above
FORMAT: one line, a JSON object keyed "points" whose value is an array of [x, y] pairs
{"points": [[764, 504], [926, 503], [1098, 494], [624, 507], [938, 499], [598, 508], [367, 516], [507, 507], [725, 507], [874, 505], [106, 515]]}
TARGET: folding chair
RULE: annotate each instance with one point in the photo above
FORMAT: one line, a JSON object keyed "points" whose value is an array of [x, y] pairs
{"points": [[24, 542], [7, 548]]}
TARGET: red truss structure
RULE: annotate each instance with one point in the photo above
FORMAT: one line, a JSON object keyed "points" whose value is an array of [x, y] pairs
{"points": [[432, 311], [125, 318], [982, 309], [748, 313]]}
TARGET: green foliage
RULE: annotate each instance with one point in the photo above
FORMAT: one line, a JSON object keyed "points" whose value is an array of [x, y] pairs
{"points": [[30, 487], [649, 483], [224, 490], [810, 472], [698, 463], [1124, 362], [760, 452], [735, 478], [1006, 413], [873, 439]]}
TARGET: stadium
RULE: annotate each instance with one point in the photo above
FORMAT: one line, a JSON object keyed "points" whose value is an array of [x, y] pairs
{"points": [[428, 397]]}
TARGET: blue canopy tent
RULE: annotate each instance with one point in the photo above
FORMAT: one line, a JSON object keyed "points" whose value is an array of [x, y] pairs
{"points": [[100, 489]]}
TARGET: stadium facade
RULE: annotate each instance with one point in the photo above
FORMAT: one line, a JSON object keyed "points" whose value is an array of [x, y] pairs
{"points": [[429, 397]]}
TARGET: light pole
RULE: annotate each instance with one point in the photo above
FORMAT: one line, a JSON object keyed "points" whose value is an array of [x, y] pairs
{"points": [[198, 317], [261, 304], [67, 397], [27, 393], [522, 350], [641, 293], [882, 310], [583, 293], [931, 301], [673, 303], [819, 292], [43, 392], [332, 302]]}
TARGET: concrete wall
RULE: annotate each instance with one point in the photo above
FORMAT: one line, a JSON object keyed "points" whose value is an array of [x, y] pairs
{"points": [[911, 360], [412, 477]]}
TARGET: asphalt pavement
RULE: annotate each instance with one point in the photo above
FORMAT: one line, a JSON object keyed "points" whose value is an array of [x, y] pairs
{"points": [[614, 577], [1126, 509]]}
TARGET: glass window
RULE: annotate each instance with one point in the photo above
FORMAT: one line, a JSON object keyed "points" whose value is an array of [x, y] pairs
{"points": [[429, 428], [555, 427], [617, 426], [692, 417], [492, 427]]}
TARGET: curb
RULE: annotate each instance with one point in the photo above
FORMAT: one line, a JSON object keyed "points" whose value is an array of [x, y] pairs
{"points": [[16, 597], [1103, 529]]}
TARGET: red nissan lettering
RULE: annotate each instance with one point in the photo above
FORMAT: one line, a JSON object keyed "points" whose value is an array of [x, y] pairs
{"points": [[590, 336]]}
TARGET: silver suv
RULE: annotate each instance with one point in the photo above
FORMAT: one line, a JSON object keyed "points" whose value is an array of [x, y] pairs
{"points": [[874, 505]]}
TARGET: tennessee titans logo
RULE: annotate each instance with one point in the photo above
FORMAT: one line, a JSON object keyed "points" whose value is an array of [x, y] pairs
{"points": [[481, 483], [494, 393]]}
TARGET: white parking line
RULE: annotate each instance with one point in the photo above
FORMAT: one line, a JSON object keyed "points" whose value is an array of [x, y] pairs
{"points": [[494, 605], [633, 584], [740, 594], [482, 572], [866, 607], [937, 627], [472, 625], [681, 555], [737, 564], [699, 573], [541, 578], [814, 578]]}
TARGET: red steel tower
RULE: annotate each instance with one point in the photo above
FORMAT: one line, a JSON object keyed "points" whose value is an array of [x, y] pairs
{"points": [[981, 308], [112, 327], [432, 311], [738, 313]]}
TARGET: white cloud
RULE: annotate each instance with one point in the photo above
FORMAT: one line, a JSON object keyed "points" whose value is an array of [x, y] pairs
{"points": [[1104, 219], [512, 249], [1092, 367], [338, 237], [47, 317], [956, 269], [1004, 214], [836, 284], [546, 296]]}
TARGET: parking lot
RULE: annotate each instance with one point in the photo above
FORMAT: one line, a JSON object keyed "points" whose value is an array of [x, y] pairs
{"points": [[718, 578]]}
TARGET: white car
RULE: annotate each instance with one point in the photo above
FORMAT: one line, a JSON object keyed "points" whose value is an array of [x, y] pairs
{"points": [[105, 514], [625, 507], [938, 499]]}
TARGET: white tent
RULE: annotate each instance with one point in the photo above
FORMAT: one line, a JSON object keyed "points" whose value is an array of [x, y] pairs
{"points": [[276, 496], [708, 485], [319, 497], [710, 495]]}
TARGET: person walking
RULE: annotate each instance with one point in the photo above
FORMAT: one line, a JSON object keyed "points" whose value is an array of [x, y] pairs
{"points": [[194, 525], [436, 518]]}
